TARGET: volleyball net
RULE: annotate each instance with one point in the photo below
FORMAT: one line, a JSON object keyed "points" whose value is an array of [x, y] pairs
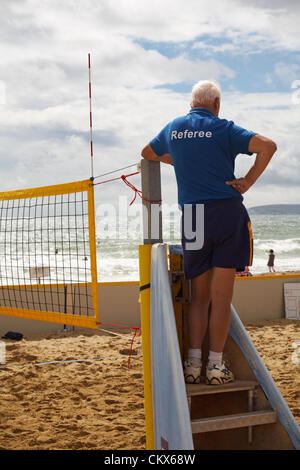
{"points": [[48, 268]]}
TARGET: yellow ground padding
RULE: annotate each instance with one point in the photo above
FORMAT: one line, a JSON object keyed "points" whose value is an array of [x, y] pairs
{"points": [[145, 278]]}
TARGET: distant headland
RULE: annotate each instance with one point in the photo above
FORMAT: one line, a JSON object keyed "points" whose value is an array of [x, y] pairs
{"points": [[275, 209]]}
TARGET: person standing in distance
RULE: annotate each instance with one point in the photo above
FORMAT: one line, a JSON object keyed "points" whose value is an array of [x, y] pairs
{"points": [[202, 147], [271, 261]]}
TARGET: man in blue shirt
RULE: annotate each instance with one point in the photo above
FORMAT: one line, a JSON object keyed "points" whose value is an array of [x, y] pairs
{"points": [[202, 147]]}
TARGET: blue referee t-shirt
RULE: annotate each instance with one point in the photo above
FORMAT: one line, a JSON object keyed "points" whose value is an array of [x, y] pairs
{"points": [[203, 149]]}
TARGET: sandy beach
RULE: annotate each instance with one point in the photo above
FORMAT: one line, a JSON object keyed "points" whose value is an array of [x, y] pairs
{"points": [[279, 273], [76, 405], [273, 340], [99, 404]]}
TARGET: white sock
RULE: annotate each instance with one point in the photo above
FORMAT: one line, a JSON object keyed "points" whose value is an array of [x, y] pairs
{"points": [[194, 355], [215, 358]]}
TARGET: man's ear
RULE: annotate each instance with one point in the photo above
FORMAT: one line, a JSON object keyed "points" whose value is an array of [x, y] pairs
{"points": [[217, 104]]}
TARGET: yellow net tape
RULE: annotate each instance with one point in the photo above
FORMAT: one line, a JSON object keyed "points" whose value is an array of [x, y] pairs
{"points": [[48, 263]]}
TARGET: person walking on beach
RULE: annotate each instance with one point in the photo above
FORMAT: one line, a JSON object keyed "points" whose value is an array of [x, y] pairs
{"points": [[271, 261], [202, 147]]}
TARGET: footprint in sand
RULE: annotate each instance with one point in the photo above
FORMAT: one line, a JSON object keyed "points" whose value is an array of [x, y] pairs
{"points": [[17, 388], [115, 410], [122, 428], [111, 402], [76, 400], [10, 347], [126, 352], [137, 376]]}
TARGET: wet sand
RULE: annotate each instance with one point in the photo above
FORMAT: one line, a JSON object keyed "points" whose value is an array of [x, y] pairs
{"points": [[278, 273]]}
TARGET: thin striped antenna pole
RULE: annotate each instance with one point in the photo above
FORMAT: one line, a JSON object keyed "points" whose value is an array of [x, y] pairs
{"points": [[91, 121]]}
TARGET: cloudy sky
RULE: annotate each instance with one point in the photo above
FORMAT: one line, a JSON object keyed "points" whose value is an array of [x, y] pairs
{"points": [[145, 58]]}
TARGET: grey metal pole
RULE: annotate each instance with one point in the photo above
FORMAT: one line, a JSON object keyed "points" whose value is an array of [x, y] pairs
{"points": [[151, 190]]}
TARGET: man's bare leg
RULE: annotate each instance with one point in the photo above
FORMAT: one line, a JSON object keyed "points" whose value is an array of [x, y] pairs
{"points": [[214, 287], [221, 296], [197, 325], [198, 312]]}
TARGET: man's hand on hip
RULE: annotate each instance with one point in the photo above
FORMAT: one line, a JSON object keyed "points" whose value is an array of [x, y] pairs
{"points": [[265, 149], [240, 184]]}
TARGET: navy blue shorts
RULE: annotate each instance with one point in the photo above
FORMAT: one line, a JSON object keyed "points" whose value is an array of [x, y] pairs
{"points": [[228, 241]]}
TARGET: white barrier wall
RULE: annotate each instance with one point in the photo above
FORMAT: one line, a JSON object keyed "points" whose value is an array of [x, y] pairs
{"points": [[261, 298], [255, 298], [118, 304]]}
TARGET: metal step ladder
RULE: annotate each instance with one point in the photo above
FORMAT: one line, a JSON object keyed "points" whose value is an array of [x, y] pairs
{"points": [[239, 420], [209, 415]]}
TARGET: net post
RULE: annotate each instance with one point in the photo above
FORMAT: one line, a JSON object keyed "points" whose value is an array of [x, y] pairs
{"points": [[151, 190], [91, 120], [145, 278], [93, 250]]}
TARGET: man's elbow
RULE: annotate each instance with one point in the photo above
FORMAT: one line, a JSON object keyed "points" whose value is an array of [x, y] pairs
{"points": [[260, 144], [146, 153], [272, 147], [268, 149]]}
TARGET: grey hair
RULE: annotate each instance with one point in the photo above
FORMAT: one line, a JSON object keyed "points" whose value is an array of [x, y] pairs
{"points": [[204, 93]]}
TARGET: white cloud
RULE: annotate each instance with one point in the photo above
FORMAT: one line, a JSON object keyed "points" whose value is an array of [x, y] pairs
{"points": [[272, 115], [287, 72], [44, 125]]}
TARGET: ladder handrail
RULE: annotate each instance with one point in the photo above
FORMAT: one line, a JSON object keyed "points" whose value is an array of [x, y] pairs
{"points": [[264, 378]]}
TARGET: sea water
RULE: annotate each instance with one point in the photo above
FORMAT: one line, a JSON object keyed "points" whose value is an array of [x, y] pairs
{"points": [[117, 241], [118, 259], [280, 233]]}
